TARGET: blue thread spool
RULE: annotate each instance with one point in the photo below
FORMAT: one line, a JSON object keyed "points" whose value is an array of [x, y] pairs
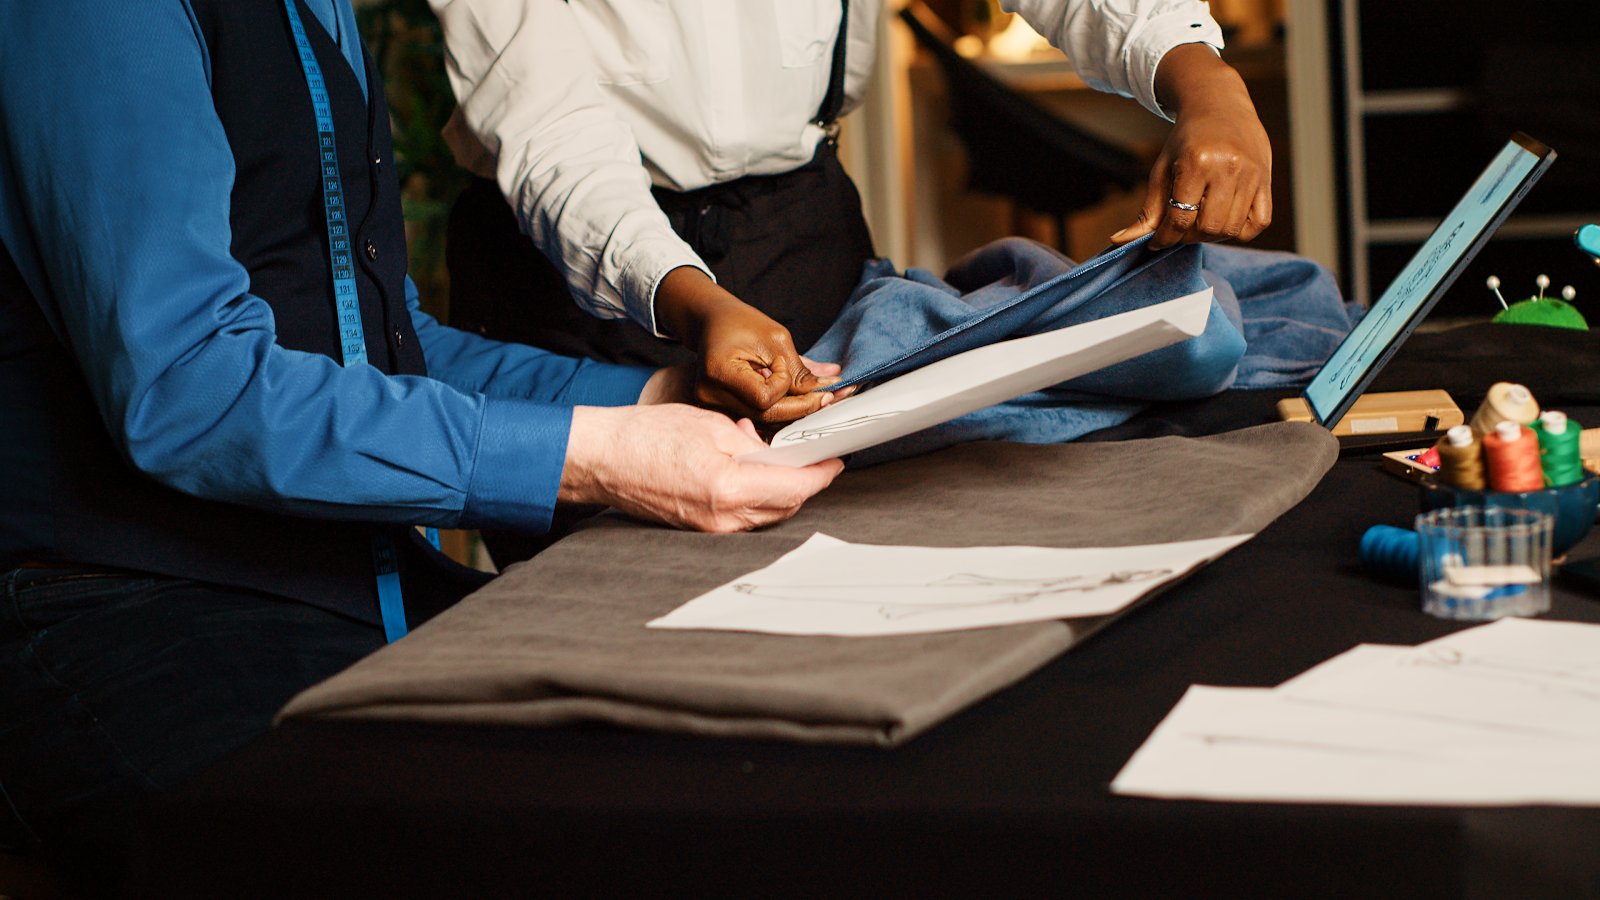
{"points": [[1390, 553]]}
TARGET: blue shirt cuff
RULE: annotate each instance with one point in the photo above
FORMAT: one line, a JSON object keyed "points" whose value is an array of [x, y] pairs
{"points": [[604, 384], [522, 448]]}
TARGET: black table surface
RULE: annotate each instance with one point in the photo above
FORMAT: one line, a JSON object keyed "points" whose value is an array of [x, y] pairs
{"points": [[1008, 798]]}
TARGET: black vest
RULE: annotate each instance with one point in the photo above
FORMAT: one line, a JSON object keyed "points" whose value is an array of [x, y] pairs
{"points": [[100, 510]]}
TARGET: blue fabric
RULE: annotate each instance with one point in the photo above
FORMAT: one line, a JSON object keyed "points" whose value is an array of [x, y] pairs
{"points": [[1294, 317], [115, 177], [1275, 318]]}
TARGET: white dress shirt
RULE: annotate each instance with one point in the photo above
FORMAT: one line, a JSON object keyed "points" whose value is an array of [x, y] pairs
{"points": [[576, 108]]}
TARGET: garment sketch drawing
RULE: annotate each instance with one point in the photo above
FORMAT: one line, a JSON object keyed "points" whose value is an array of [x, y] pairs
{"points": [[1550, 677], [811, 434], [895, 602], [1397, 298]]}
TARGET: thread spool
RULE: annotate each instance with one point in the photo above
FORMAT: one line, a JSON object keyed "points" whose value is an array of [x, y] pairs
{"points": [[1511, 454], [1391, 554], [1559, 455], [1506, 402], [1461, 459]]}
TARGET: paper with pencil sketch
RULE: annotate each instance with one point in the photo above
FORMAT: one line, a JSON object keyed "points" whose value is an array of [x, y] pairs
{"points": [[984, 376], [1507, 713], [828, 586]]}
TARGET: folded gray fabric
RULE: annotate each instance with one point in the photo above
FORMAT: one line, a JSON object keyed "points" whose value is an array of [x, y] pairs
{"points": [[561, 639]]}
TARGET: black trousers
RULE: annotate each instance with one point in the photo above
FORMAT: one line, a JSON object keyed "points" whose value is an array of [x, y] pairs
{"points": [[791, 245], [115, 686]]}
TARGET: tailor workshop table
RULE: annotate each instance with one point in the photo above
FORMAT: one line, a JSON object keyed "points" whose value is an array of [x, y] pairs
{"points": [[1006, 799]]}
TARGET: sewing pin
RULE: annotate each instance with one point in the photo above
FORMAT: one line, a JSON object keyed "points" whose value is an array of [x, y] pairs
{"points": [[1494, 285]]}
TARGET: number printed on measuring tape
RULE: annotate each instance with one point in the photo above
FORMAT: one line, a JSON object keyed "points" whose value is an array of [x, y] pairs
{"points": [[352, 340]]}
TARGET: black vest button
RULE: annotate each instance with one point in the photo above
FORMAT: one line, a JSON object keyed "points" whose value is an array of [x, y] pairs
{"points": [[372, 251]]}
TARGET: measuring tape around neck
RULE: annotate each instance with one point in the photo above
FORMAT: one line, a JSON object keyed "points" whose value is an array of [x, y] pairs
{"points": [[352, 338]]}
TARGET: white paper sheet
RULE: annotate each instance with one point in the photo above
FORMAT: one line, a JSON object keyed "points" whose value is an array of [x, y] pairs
{"points": [[1357, 657], [828, 586], [1514, 673], [1254, 744], [982, 377], [1507, 713]]}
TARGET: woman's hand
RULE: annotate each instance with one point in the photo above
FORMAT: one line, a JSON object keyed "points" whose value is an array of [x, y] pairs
{"points": [[748, 364], [1213, 180]]}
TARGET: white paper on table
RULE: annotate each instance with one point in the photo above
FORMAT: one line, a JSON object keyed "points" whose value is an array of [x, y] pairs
{"points": [[1514, 674], [1358, 657], [828, 586], [983, 376], [1255, 744]]}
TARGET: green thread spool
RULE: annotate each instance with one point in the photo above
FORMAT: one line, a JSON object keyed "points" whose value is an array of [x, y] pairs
{"points": [[1559, 455], [1461, 459]]}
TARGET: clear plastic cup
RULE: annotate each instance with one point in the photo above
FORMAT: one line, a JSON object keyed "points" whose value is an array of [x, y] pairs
{"points": [[1484, 563]]}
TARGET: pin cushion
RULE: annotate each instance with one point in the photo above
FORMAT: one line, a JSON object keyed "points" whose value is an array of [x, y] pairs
{"points": [[1548, 311]]}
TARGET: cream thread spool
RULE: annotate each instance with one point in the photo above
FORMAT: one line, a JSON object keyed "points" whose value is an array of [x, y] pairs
{"points": [[1506, 402]]}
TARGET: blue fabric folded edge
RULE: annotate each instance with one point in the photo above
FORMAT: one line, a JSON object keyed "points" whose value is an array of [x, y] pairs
{"points": [[1132, 257], [1274, 331]]}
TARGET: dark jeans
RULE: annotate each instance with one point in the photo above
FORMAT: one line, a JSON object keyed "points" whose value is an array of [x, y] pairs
{"points": [[115, 686]]}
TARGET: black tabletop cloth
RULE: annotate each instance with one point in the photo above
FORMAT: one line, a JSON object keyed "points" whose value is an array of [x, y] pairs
{"points": [[1007, 799]]}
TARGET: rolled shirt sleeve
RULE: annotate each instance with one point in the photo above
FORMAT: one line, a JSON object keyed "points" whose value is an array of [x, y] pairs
{"points": [[1117, 45], [569, 166]]}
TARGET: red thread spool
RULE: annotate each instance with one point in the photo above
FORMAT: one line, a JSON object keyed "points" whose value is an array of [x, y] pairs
{"points": [[1511, 453]]}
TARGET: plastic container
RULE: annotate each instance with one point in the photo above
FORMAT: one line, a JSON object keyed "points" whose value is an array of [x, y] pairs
{"points": [[1484, 563]]}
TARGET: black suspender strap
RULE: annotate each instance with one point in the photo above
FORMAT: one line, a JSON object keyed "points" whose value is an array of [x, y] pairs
{"points": [[833, 101]]}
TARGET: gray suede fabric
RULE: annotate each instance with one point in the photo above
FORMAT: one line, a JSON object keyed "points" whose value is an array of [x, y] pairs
{"points": [[561, 639]]}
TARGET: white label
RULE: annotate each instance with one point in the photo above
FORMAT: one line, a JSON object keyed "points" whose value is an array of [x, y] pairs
{"points": [[1491, 575], [1373, 426]]}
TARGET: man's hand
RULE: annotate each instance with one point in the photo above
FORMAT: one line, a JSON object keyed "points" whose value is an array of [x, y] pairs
{"points": [[674, 464], [748, 363], [1217, 158]]}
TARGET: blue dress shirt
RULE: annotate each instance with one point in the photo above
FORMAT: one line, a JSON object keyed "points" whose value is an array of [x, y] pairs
{"points": [[115, 179]]}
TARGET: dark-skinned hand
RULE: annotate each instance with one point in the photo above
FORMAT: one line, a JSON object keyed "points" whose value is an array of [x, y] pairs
{"points": [[1216, 157], [748, 367]]}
